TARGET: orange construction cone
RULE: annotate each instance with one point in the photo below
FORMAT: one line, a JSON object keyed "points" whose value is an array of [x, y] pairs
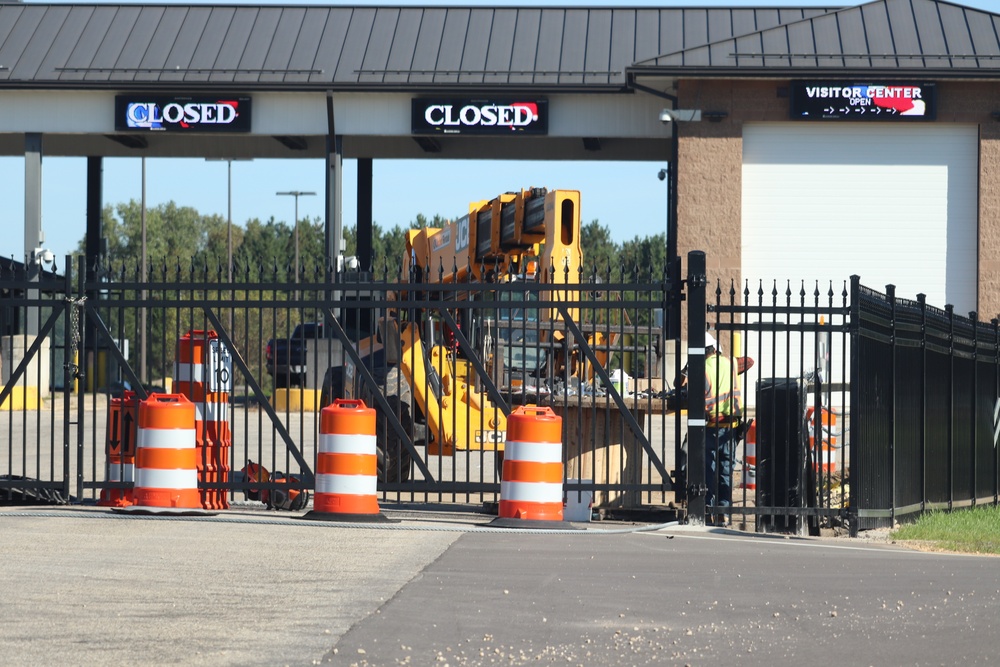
{"points": [[166, 463], [120, 449], [531, 488], [824, 455], [346, 465]]}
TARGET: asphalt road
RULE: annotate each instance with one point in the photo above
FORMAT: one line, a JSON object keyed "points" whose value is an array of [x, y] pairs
{"points": [[83, 586]]}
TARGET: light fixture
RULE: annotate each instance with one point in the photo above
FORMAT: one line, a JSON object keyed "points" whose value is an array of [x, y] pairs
{"points": [[715, 116], [680, 115]]}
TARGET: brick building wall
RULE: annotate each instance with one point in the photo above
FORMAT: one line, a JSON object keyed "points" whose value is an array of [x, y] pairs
{"points": [[710, 158]]}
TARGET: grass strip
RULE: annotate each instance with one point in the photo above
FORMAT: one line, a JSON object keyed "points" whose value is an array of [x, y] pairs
{"points": [[973, 530]]}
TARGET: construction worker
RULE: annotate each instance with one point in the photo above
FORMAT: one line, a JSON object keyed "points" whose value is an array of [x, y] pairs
{"points": [[723, 406]]}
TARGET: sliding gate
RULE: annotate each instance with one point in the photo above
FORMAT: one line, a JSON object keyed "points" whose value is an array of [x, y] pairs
{"points": [[592, 352]]}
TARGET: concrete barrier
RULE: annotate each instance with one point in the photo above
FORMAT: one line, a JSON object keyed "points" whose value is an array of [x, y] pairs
{"points": [[296, 400]]}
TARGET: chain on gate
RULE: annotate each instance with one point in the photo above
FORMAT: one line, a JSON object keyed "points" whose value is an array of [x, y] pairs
{"points": [[76, 335]]}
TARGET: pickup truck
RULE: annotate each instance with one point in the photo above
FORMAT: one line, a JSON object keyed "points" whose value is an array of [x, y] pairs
{"points": [[287, 358]]}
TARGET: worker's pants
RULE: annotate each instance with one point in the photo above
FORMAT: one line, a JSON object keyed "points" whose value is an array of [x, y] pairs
{"points": [[719, 466]]}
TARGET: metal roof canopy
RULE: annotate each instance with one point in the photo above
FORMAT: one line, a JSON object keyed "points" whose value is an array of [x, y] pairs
{"points": [[191, 49], [552, 52], [420, 51]]}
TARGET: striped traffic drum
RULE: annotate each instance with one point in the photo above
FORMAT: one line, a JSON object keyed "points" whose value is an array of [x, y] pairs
{"points": [[123, 415], [166, 463], [531, 487], [346, 465], [203, 373], [750, 458]]}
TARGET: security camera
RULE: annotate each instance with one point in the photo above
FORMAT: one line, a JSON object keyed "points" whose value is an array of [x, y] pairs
{"points": [[662, 175], [666, 116], [43, 256]]}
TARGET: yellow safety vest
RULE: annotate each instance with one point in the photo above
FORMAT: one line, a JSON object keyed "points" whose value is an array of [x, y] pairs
{"points": [[722, 389]]}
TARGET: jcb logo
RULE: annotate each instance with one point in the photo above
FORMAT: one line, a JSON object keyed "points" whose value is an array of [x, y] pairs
{"points": [[495, 437]]}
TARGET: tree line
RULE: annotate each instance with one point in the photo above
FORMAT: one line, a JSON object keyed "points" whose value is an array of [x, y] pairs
{"points": [[185, 246], [181, 236]]}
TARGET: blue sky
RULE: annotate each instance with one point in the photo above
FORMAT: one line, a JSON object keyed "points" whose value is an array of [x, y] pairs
{"points": [[628, 198]]}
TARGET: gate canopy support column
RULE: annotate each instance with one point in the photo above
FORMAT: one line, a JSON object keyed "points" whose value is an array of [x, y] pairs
{"points": [[696, 387], [94, 242], [334, 200], [364, 228], [95, 225], [334, 233], [32, 220]]}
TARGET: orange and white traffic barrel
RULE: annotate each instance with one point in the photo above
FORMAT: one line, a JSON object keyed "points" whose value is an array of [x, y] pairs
{"points": [[120, 451], [531, 486], [346, 465], [750, 458], [203, 373], [166, 466], [825, 454]]}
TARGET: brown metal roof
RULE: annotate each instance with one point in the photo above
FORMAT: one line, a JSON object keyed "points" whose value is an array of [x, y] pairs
{"points": [[925, 37], [372, 48]]}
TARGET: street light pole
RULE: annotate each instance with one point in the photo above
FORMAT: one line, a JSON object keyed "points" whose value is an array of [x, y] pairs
{"points": [[296, 194], [229, 206], [229, 218], [142, 313]]}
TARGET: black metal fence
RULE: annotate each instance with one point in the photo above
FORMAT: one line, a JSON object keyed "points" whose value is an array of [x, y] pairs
{"points": [[442, 364], [791, 470], [925, 408], [866, 408]]}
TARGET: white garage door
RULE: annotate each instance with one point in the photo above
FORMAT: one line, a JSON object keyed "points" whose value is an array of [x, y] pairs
{"points": [[893, 204], [822, 202]]}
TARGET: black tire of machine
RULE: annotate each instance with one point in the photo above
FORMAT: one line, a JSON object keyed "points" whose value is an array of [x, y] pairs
{"points": [[394, 461]]}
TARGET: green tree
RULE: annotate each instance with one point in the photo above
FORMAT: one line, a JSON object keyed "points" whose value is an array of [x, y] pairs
{"points": [[645, 258], [263, 248], [600, 253]]}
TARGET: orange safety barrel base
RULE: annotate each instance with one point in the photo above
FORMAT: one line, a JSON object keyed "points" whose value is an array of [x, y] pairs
{"points": [[182, 502], [347, 517], [349, 509], [532, 524], [168, 511], [115, 498]]}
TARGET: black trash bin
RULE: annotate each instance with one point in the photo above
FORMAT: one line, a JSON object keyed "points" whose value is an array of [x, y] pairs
{"points": [[781, 453]]}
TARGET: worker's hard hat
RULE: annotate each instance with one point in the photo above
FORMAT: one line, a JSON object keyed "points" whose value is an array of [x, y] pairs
{"points": [[710, 341]]}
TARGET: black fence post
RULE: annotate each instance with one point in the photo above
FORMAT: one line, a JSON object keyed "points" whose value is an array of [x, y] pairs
{"points": [[855, 384], [974, 408], [996, 399], [950, 311], [890, 292], [922, 300], [69, 368], [696, 281]]}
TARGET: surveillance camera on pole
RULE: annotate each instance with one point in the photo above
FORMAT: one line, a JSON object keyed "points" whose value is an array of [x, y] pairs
{"points": [[43, 256]]}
